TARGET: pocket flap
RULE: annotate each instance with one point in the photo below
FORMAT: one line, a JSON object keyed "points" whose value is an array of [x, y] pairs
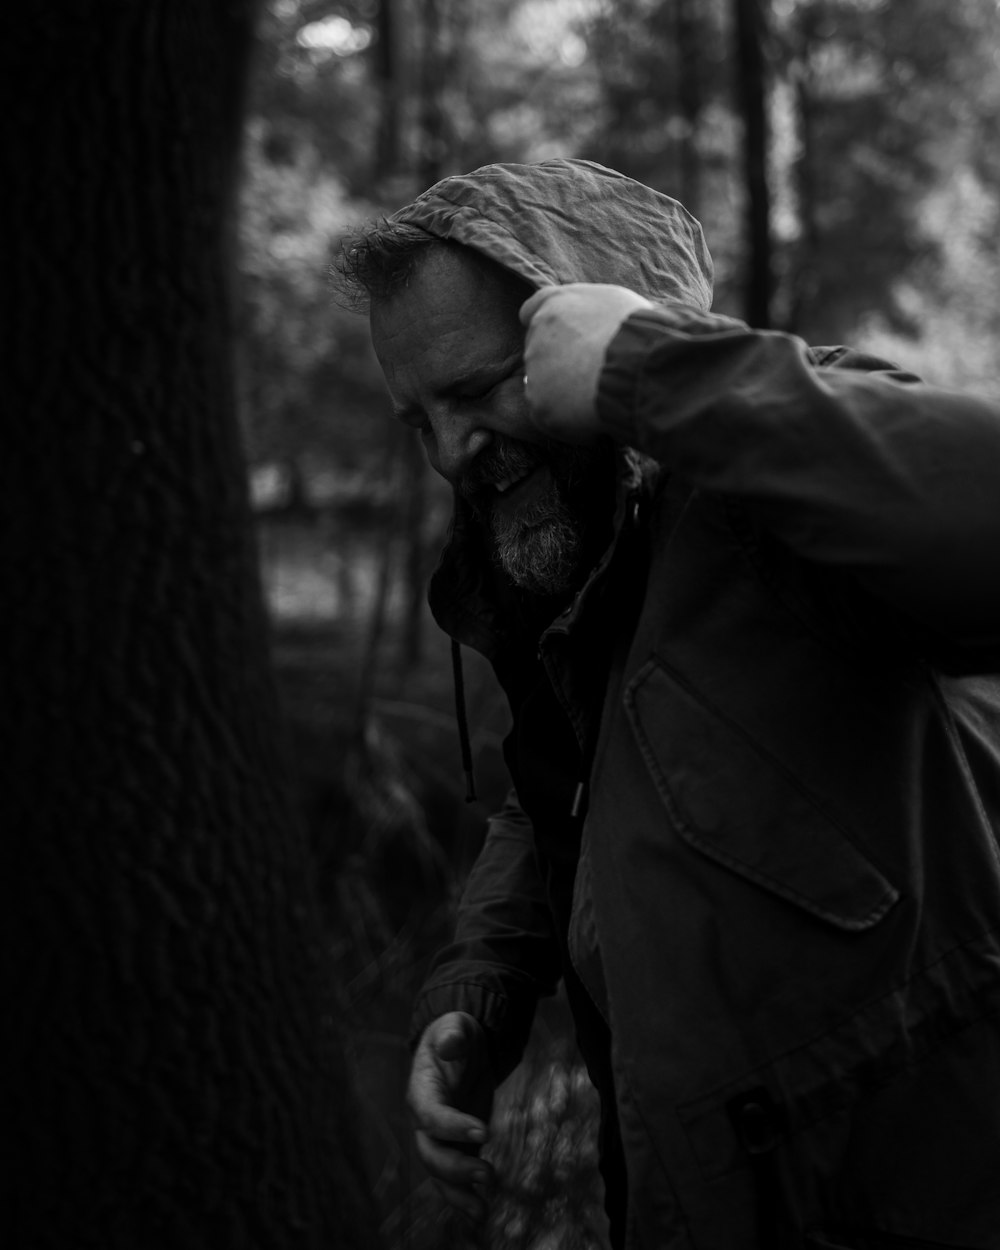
{"points": [[731, 800]]}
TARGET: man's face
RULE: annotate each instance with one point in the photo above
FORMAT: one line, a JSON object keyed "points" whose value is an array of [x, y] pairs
{"points": [[451, 347]]}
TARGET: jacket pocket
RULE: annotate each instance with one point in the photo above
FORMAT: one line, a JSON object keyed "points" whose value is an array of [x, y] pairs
{"points": [[733, 801]]}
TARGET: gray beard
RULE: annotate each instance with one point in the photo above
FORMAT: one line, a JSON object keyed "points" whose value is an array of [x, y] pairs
{"points": [[541, 551]]}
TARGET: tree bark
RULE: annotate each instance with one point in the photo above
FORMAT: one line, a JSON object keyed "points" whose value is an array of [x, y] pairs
{"points": [[750, 22], [178, 1080]]}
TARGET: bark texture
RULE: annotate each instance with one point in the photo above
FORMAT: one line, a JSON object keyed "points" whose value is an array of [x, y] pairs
{"points": [[177, 1078]]}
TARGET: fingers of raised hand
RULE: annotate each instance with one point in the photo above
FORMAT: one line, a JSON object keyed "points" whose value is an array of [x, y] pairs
{"points": [[532, 305], [594, 306]]}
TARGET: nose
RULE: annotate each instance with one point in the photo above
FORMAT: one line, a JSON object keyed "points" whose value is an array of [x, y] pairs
{"points": [[454, 443]]}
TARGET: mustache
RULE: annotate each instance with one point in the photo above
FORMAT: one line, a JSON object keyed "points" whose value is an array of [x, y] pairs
{"points": [[505, 457]]}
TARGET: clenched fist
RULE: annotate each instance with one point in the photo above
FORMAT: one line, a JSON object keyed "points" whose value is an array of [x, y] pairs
{"points": [[568, 330]]}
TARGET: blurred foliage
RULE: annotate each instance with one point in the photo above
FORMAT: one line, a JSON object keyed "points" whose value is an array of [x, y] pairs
{"points": [[309, 385], [952, 312], [890, 103], [885, 167]]}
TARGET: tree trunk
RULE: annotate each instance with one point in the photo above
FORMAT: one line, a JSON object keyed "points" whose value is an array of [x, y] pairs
{"points": [[178, 1081], [432, 138], [750, 21], [805, 255], [689, 92], [388, 148]]}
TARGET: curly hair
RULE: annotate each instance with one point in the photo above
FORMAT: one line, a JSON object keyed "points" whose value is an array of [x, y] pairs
{"points": [[377, 260]]}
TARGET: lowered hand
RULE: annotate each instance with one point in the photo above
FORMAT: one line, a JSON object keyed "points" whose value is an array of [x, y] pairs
{"points": [[451, 1095]]}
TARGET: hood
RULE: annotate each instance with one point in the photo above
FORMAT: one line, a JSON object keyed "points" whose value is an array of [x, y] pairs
{"points": [[553, 223], [556, 222], [566, 221]]}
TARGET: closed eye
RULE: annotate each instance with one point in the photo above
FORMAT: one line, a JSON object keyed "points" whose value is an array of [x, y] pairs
{"points": [[471, 390], [481, 390], [478, 392]]}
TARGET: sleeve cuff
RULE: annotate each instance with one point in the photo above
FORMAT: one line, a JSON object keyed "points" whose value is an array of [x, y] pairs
{"points": [[507, 1024]]}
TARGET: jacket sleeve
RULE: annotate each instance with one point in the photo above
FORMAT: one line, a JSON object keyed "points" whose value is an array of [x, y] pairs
{"points": [[504, 954], [848, 462]]}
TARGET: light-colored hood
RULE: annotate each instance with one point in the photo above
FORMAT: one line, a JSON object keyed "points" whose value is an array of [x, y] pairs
{"points": [[566, 221]]}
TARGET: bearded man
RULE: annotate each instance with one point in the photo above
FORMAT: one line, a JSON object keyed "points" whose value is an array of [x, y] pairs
{"points": [[744, 599]]}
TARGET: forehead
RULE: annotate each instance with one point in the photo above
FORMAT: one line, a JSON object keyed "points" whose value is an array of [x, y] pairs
{"points": [[456, 303]]}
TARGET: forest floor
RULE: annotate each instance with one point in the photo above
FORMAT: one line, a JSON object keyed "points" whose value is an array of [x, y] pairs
{"points": [[375, 759]]}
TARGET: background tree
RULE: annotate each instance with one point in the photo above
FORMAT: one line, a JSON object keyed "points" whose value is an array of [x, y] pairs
{"points": [[691, 53], [751, 22], [388, 148], [178, 1078]]}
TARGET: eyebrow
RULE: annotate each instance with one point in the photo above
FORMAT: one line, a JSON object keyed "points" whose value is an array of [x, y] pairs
{"points": [[408, 413]]}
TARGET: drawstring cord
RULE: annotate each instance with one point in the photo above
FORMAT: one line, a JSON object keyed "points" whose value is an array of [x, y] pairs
{"points": [[461, 715]]}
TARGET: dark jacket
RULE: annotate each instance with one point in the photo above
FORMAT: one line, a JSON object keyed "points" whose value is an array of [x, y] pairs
{"points": [[780, 917]]}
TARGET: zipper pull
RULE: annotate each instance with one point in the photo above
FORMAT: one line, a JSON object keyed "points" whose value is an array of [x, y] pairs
{"points": [[578, 799]]}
